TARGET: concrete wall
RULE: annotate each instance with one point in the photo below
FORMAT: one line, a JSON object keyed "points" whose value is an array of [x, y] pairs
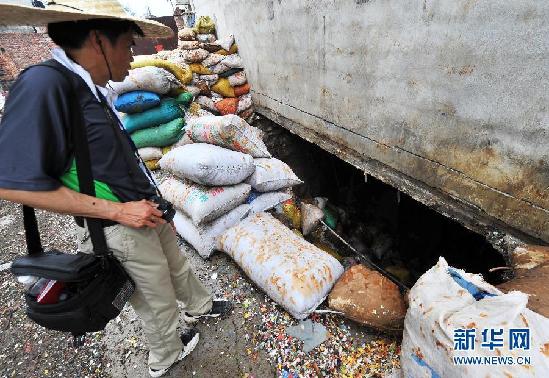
{"points": [[450, 93]]}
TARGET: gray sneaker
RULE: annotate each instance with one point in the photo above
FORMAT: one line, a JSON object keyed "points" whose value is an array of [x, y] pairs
{"points": [[220, 307], [190, 339]]}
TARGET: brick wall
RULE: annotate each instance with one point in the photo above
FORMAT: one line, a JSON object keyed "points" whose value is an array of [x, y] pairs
{"points": [[19, 50]]}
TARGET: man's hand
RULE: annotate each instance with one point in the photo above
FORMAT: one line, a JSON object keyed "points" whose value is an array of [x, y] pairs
{"points": [[139, 214]]}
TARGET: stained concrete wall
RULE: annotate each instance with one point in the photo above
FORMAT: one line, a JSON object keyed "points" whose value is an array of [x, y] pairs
{"points": [[450, 93]]}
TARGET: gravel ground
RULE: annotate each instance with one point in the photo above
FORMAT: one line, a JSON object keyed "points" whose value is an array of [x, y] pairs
{"points": [[250, 343]]}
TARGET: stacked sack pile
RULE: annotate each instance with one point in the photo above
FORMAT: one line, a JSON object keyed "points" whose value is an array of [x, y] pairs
{"points": [[222, 174], [223, 182], [153, 100], [218, 79]]}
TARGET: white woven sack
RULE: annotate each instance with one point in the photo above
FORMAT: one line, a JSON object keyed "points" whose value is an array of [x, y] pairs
{"points": [[206, 102], [244, 103], [212, 59], [292, 272], [150, 153], [188, 45], [203, 238], [219, 68], [206, 38], [226, 42], [210, 79], [202, 203], [237, 79], [183, 141], [233, 61], [207, 164], [267, 201], [149, 78], [272, 174], [228, 131], [195, 91], [439, 305], [194, 56]]}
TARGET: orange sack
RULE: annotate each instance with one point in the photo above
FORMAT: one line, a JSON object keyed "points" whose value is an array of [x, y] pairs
{"points": [[227, 106], [242, 90]]}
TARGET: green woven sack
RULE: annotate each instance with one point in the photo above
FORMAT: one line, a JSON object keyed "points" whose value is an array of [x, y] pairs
{"points": [[160, 136], [185, 99], [167, 111]]}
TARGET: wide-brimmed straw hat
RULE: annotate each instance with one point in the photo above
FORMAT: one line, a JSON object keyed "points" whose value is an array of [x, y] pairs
{"points": [[76, 10]]}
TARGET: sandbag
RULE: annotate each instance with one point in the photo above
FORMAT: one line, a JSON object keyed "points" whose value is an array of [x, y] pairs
{"points": [[211, 47], [204, 88], [195, 91], [207, 164], [230, 72], [136, 101], [183, 74], [223, 88], [184, 99], [244, 103], [233, 50], [160, 136], [310, 217], [151, 79], [205, 38], [228, 131], [242, 90], [188, 45], [194, 56], [534, 283], [233, 61], [202, 203], [199, 69], [267, 201], [272, 174], [206, 102], [167, 111], [237, 79], [292, 272], [226, 42], [186, 34], [203, 238], [183, 141], [369, 298], [219, 68], [210, 79], [204, 25], [444, 304], [212, 60], [152, 165], [227, 106], [150, 153]]}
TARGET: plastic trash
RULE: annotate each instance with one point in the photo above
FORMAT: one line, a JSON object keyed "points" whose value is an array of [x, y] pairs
{"points": [[311, 333], [310, 217]]}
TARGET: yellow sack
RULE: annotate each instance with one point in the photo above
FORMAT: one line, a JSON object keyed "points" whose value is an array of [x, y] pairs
{"points": [[205, 25], [184, 75], [166, 149], [223, 87], [232, 50], [200, 69], [152, 164]]}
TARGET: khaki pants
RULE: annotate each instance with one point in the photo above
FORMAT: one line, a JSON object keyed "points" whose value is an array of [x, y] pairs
{"points": [[162, 276]]}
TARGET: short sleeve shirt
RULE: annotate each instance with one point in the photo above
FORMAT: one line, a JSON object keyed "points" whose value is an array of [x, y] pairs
{"points": [[35, 148]]}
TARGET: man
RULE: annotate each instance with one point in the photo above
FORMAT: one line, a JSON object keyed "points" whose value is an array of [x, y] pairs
{"points": [[37, 165]]}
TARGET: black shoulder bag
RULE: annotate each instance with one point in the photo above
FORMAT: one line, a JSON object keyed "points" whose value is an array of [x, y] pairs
{"points": [[96, 286]]}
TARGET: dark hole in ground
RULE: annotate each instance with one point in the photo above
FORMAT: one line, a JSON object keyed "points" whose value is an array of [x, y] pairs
{"points": [[395, 231]]}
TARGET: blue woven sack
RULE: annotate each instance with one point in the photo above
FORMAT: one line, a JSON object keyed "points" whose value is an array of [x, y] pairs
{"points": [[167, 111], [136, 101]]}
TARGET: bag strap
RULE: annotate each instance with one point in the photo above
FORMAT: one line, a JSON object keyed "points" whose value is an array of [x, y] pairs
{"points": [[84, 172]]}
